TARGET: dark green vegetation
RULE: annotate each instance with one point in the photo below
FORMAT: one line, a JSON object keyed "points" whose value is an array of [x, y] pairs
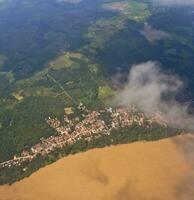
{"points": [[32, 32], [44, 94], [54, 55], [121, 136]]}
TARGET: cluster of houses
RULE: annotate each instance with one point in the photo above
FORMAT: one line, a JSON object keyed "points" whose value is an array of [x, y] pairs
{"points": [[91, 126]]}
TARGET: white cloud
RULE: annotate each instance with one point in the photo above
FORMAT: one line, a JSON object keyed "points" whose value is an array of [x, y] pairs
{"points": [[147, 88]]}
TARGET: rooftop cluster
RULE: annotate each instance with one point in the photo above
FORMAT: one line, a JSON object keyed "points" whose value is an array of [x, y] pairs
{"points": [[90, 125]]}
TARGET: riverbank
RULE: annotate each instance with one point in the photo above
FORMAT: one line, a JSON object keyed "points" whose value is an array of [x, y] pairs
{"points": [[142, 171]]}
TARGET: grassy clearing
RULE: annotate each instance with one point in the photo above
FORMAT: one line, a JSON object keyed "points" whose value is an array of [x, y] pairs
{"points": [[133, 10], [100, 33], [119, 6], [46, 94], [65, 61], [68, 73], [105, 92]]}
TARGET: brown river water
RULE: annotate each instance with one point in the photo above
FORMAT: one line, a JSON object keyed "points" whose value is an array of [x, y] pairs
{"points": [[160, 170]]}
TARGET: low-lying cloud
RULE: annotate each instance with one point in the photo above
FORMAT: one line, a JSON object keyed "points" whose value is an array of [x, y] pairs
{"points": [[174, 2], [153, 91]]}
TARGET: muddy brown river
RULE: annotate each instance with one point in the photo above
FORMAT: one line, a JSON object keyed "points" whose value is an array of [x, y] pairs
{"points": [[160, 170]]}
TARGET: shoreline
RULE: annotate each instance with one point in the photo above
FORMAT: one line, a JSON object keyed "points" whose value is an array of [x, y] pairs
{"points": [[79, 133], [148, 159]]}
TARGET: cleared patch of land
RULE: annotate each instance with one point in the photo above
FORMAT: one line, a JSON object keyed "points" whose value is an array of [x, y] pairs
{"points": [[152, 34], [145, 170], [120, 6], [101, 32], [133, 10]]}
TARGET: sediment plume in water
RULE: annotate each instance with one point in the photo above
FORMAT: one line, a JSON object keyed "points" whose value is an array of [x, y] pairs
{"points": [[157, 170]]}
